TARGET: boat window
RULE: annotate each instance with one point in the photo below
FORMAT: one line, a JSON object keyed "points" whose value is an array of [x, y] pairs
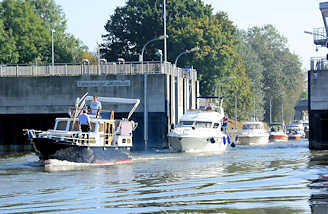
{"points": [[252, 126], [76, 126], [202, 124], [61, 125], [186, 123]]}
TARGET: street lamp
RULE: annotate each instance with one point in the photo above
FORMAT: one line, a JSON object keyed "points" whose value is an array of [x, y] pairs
{"points": [[185, 52], [160, 54], [145, 89], [52, 48]]}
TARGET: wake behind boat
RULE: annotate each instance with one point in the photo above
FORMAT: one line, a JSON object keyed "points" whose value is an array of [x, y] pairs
{"points": [[108, 141], [200, 130]]}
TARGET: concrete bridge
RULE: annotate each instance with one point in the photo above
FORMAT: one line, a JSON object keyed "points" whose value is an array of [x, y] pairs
{"points": [[32, 96]]}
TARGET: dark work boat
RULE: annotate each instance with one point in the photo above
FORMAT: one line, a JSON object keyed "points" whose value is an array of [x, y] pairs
{"points": [[109, 140]]}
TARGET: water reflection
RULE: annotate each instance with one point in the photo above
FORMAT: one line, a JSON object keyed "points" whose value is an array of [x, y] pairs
{"points": [[319, 197], [247, 179]]}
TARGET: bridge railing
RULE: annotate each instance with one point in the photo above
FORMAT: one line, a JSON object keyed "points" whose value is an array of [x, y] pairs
{"points": [[130, 68], [318, 64]]}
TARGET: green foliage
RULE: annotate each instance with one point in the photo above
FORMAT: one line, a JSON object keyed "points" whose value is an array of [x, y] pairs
{"points": [[190, 23], [25, 28], [283, 80]]}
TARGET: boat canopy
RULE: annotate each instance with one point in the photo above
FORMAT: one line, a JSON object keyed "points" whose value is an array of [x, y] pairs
{"points": [[119, 101]]}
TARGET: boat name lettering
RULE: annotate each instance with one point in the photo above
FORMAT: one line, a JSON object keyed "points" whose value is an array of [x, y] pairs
{"points": [[110, 83]]}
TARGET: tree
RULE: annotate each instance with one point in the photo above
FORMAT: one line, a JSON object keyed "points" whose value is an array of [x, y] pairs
{"points": [[25, 28], [282, 75], [190, 23]]}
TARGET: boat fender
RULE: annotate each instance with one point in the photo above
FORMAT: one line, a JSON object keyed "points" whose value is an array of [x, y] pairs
{"points": [[229, 139], [224, 140], [233, 144], [212, 140]]}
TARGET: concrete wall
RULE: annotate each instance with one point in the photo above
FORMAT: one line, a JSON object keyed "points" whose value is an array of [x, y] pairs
{"points": [[318, 109], [168, 98], [56, 94]]}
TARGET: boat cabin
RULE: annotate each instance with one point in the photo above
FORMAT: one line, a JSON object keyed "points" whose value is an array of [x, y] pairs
{"points": [[103, 132]]}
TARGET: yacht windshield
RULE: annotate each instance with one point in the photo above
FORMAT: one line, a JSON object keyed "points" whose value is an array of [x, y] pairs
{"points": [[186, 123], [202, 124], [252, 126]]}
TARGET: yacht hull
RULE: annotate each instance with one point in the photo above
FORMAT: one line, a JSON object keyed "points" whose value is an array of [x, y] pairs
{"points": [[191, 144], [66, 151], [251, 140], [278, 138]]}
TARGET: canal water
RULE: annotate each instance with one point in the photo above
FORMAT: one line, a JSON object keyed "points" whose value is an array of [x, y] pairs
{"points": [[273, 178]]}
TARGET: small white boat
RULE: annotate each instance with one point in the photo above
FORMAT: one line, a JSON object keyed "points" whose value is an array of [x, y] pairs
{"points": [[295, 131], [253, 133], [200, 130], [278, 132]]}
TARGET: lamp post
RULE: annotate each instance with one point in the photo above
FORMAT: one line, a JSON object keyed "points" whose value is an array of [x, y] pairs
{"points": [[145, 89], [52, 48], [185, 52], [160, 54]]}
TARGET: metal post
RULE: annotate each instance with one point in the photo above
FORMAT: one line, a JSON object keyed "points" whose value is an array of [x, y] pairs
{"points": [[164, 24], [254, 107], [282, 112], [270, 110], [235, 111], [52, 49]]}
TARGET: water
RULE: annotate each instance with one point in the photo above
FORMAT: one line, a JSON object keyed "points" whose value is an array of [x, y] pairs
{"points": [[274, 178]]}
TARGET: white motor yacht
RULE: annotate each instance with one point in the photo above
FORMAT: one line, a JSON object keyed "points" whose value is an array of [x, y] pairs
{"points": [[200, 130], [253, 132]]}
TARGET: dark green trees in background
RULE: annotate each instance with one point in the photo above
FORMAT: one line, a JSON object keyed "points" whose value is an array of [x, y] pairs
{"points": [[234, 63], [274, 71], [190, 24], [25, 33]]}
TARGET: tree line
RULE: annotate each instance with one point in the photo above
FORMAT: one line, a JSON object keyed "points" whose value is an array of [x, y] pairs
{"points": [[25, 33], [253, 64]]}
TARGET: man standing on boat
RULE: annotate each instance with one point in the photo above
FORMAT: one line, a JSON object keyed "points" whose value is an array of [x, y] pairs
{"points": [[95, 106], [84, 121]]}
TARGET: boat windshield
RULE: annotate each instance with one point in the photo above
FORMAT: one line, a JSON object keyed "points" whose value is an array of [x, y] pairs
{"points": [[186, 123], [61, 125], [252, 126], [202, 124]]}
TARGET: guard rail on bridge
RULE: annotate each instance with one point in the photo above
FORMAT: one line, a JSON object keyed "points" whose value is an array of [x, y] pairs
{"points": [[130, 68], [318, 64]]}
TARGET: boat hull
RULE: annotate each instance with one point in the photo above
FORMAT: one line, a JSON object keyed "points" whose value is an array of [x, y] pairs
{"points": [[196, 144], [250, 140], [50, 149], [294, 137], [278, 138]]}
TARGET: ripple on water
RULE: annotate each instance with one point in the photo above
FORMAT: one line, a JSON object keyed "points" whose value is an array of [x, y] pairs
{"points": [[275, 178]]}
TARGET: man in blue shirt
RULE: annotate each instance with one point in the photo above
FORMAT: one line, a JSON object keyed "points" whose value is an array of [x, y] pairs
{"points": [[95, 106], [84, 121]]}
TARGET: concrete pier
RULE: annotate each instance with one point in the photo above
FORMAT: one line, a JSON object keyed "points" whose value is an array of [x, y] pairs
{"points": [[318, 104], [29, 94]]}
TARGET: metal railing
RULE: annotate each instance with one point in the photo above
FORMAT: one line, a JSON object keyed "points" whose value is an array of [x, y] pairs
{"points": [[320, 36], [128, 68], [318, 64]]}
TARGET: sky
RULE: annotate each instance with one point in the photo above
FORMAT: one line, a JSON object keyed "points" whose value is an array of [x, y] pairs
{"points": [[86, 20]]}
